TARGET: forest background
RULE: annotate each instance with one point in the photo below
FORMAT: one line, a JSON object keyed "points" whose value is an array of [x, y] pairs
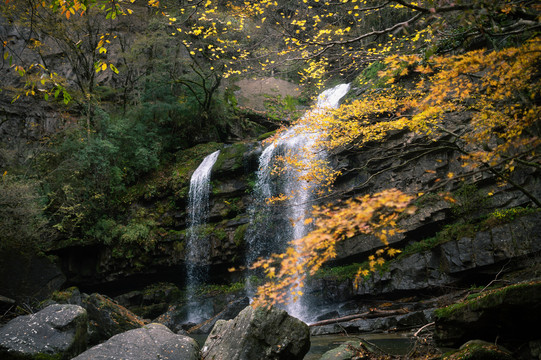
{"points": [[137, 83]]}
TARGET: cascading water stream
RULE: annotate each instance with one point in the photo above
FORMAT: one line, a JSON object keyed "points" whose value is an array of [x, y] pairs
{"points": [[274, 226], [197, 246]]}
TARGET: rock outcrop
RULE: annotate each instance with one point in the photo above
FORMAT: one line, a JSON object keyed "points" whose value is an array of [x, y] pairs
{"points": [[107, 318], [58, 331], [28, 277], [154, 341], [447, 263], [229, 312], [258, 334], [507, 315]]}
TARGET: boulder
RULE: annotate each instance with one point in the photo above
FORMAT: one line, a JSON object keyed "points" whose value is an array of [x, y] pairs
{"points": [[174, 318], [506, 315], [345, 351], [153, 341], [58, 331], [480, 350], [258, 334], [71, 295], [354, 350], [107, 318]]}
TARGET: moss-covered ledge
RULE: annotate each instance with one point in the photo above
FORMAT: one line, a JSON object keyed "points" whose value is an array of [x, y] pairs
{"points": [[506, 314]]}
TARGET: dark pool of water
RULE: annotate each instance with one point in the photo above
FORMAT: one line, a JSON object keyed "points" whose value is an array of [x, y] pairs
{"points": [[392, 344]]}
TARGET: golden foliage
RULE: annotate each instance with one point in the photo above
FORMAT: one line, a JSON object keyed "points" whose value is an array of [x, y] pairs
{"points": [[369, 214], [500, 88]]}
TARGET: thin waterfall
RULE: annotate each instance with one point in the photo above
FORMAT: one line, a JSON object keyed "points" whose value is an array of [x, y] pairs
{"points": [[197, 245], [274, 226]]}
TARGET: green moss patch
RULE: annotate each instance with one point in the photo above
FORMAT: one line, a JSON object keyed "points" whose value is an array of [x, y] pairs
{"points": [[491, 298]]}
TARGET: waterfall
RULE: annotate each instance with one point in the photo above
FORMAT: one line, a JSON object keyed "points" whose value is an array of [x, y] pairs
{"points": [[274, 226], [197, 245]]}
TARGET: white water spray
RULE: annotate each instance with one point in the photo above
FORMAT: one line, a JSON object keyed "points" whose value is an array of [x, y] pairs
{"points": [[197, 245], [274, 226]]}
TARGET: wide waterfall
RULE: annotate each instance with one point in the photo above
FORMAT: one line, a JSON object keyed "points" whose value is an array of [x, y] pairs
{"points": [[197, 245], [273, 226]]}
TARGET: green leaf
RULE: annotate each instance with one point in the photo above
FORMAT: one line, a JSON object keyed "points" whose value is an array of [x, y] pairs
{"points": [[67, 97]]}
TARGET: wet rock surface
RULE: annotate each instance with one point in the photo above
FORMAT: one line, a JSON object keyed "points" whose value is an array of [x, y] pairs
{"points": [[258, 334], [58, 330], [154, 341]]}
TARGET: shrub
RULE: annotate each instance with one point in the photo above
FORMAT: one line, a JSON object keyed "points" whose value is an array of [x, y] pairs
{"points": [[21, 220]]}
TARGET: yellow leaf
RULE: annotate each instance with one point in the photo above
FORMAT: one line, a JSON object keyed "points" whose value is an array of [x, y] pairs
{"points": [[113, 68]]}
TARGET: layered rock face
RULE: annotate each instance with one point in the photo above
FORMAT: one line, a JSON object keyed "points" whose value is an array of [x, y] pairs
{"points": [[449, 262]]}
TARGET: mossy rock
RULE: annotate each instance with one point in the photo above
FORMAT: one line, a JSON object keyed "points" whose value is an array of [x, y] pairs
{"points": [[345, 351], [266, 135], [231, 159], [240, 233], [479, 350], [506, 314], [108, 318], [161, 292], [188, 160]]}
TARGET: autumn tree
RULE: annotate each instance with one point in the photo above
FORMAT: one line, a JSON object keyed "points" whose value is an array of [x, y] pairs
{"points": [[435, 58], [497, 86], [370, 214]]}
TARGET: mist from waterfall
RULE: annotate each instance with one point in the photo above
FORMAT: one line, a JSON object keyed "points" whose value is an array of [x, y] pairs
{"points": [[197, 244], [273, 226]]}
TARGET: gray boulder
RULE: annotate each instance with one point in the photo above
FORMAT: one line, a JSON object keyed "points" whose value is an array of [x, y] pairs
{"points": [[154, 341], [57, 331], [258, 334]]}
